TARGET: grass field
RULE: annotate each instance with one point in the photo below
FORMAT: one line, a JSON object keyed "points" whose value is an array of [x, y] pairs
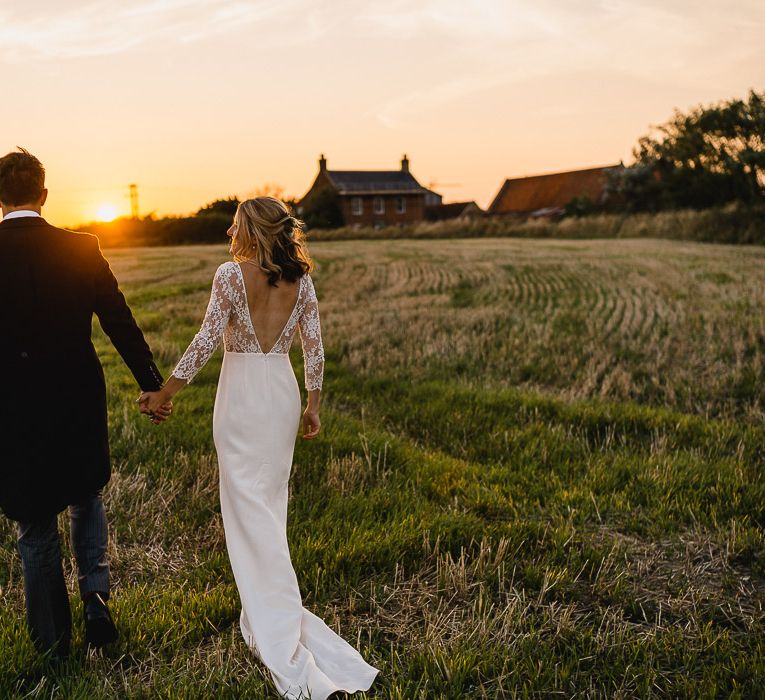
{"points": [[540, 475]]}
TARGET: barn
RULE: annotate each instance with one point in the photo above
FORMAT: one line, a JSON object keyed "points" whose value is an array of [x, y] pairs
{"points": [[537, 195]]}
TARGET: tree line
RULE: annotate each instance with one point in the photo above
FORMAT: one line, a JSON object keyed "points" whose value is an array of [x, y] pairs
{"points": [[709, 156]]}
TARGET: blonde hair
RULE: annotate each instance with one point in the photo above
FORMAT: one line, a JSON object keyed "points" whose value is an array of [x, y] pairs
{"points": [[267, 233]]}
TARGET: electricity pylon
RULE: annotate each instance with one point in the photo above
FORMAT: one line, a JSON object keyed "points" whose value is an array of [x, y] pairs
{"points": [[134, 212]]}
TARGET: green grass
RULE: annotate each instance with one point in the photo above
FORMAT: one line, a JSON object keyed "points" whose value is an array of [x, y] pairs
{"points": [[474, 533]]}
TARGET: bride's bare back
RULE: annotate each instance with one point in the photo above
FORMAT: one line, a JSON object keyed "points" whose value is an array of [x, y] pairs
{"points": [[241, 300], [270, 307]]}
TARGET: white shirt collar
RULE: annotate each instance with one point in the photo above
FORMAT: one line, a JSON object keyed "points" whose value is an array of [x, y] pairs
{"points": [[19, 213]]}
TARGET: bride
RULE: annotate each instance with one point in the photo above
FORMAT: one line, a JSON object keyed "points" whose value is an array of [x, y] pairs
{"points": [[258, 301]]}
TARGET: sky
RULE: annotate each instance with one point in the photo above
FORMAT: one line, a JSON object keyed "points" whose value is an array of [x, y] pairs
{"points": [[198, 99]]}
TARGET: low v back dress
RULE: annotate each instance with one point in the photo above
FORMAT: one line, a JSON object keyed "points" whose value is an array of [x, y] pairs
{"points": [[255, 423]]}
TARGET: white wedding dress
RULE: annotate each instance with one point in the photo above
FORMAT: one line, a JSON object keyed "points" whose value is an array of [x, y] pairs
{"points": [[256, 418]]}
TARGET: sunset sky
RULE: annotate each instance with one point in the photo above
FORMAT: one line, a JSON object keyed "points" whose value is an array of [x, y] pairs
{"points": [[199, 99]]}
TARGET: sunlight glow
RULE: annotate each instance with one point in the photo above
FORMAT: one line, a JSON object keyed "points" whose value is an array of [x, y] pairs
{"points": [[106, 212], [526, 87]]}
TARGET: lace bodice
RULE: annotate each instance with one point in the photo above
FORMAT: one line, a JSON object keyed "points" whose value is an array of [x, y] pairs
{"points": [[228, 317]]}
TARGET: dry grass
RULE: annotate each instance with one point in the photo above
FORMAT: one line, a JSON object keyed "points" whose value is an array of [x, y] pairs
{"points": [[471, 529], [660, 322]]}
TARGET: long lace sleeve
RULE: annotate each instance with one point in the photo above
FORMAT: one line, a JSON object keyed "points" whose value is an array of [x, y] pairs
{"points": [[310, 338], [210, 333]]}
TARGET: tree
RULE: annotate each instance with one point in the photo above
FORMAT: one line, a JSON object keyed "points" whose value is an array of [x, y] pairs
{"points": [[581, 206], [269, 189], [323, 210], [708, 157], [220, 206]]}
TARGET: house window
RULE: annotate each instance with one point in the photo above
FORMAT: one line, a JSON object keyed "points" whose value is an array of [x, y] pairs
{"points": [[379, 205], [357, 206], [401, 205]]}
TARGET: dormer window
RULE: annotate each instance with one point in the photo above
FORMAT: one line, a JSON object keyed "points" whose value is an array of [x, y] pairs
{"points": [[357, 206], [379, 205]]}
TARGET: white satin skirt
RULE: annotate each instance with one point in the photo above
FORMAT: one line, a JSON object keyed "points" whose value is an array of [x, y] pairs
{"points": [[257, 415]]}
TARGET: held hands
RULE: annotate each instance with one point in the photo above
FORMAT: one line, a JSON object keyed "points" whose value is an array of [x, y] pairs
{"points": [[156, 405]]}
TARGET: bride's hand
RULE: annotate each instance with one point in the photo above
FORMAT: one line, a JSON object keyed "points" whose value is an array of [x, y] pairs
{"points": [[155, 404], [311, 424]]}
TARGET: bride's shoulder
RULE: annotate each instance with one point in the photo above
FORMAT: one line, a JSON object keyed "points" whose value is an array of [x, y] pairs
{"points": [[307, 290], [227, 269], [227, 274]]}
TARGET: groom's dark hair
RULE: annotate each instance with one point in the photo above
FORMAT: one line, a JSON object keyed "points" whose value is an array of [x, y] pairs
{"points": [[22, 178]]}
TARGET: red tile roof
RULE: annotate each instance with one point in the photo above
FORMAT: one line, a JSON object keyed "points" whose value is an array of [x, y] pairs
{"points": [[527, 194]]}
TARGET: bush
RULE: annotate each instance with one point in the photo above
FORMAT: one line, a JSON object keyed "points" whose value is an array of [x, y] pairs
{"points": [[734, 223], [226, 207], [207, 228], [730, 224]]}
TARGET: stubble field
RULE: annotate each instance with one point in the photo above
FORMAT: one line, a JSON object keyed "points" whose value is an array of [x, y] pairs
{"points": [[540, 475]]}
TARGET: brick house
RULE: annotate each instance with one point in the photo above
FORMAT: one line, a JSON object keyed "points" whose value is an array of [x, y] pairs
{"points": [[549, 194], [373, 197]]}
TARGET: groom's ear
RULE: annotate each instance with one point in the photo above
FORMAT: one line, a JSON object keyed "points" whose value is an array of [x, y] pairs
{"points": [[44, 196]]}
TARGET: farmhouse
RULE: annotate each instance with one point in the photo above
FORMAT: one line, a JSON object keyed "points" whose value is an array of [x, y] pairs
{"points": [[540, 195], [373, 197]]}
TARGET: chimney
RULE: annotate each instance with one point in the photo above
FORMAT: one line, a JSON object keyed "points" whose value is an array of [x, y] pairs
{"points": [[322, 163], [405, 164]]}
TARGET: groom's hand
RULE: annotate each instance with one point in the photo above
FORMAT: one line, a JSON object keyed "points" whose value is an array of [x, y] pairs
{"points": [[149, 404]]}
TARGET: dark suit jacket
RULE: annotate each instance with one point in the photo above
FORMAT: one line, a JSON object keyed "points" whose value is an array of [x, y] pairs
{"points": [[53, 427]]}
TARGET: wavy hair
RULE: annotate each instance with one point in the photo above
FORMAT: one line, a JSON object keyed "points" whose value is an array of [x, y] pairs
{"points": [[267, 233]]}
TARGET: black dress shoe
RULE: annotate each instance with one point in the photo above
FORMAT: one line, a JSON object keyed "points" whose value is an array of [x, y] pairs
{"points": [[99, 627]]}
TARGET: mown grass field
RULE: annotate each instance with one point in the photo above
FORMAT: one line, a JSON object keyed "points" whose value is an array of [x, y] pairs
{"points": [[540, 475]]}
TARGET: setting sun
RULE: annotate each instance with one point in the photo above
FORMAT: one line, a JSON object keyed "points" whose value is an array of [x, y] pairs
{"points": [[106, 212]]}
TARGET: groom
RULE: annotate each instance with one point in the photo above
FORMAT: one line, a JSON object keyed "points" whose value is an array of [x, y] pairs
{"points": [[53, 423]]}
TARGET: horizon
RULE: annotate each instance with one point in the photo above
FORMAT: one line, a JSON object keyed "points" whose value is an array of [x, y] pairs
{"points": [[198, 100]]}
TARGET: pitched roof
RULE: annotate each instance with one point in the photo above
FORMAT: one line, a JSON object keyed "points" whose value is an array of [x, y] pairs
{"points": [[526, 194], [452, 210], [372, 181]]}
